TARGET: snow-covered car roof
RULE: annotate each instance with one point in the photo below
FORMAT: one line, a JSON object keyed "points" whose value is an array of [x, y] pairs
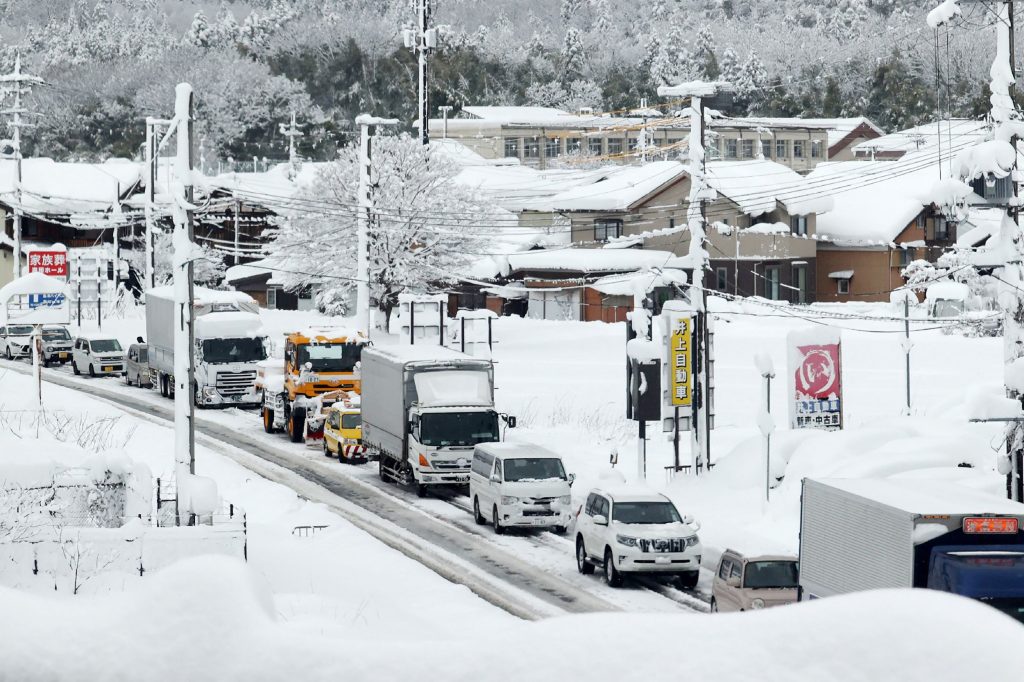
{"points": [[508, 450], [628, 493], [96, 336]]}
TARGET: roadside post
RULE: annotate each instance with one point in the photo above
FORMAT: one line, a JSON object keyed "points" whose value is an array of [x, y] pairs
{"points": [[765, 423], [35, 299]]}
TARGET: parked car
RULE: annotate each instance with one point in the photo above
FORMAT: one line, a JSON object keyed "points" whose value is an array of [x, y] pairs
{"points": [[16, 341], [757, 582], [97, 355], [56, 344], [521, 485], [634, 530], [136, 366]]}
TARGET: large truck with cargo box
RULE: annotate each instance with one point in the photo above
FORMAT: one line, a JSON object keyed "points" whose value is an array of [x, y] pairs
{"points": [[869, 534], [229, 343], [424, 409]]}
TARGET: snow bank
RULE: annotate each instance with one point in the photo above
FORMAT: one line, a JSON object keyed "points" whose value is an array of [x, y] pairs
{"points": [[993, 157], [215, 623], [943, 13], [947, 291]]}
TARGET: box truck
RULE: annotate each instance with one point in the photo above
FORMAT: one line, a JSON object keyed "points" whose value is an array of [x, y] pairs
{"points": [[229, 342], [866, 534], [424, 409]]}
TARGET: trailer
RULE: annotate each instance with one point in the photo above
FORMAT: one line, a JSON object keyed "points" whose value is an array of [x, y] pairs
{"points": [[424, 409], [229, 343], [869, 534]]}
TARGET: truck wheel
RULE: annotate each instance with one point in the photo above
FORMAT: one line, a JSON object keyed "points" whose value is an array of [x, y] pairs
{"points": [[498, 528], [268, 417], [582, 565], [611, 574], [92, 372], [477, 516], [559, 530], [421, 490], [74, 368], [296, 425], [384, 476]]}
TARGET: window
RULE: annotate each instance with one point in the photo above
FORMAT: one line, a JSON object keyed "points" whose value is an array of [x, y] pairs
{"points": [[766, 149], [591, 504], [607, 229], [771, 282], [594, 145], [272, 298], [919, 222], [798, 224], [798, 149], [800, 282], [730, 149], [781, 148], [748, 148], [572, 145], [512, 147], [721, 278], [723, 571], [735, 570], [552, 147], [843, 286], [816, 149], [531, 148], [941, 228], [615, 145], [906, 256]]}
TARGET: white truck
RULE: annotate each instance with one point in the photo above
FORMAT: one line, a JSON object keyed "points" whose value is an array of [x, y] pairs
{"points": [[424, 409], [869, 534], [229, 339]]}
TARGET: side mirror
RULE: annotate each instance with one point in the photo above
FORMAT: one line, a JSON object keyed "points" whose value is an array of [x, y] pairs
{"points": [[687, 519], [139, 339], [733, 581], [510, 421], [600, 520], [495, 478], [308, 366], [572, 478]]}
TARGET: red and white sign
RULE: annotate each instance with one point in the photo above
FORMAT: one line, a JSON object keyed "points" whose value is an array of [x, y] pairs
{"points": [[52, 263], [816, 380]]}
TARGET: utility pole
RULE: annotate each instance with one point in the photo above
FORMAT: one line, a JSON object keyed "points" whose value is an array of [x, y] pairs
{"points": [[907, 343], [237, 209], [367, 128], [422, 40], [17, 84], [154, 127], [445, 110], [292, 132]]}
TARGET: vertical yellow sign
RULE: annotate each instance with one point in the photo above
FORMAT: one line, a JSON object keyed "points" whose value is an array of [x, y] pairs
{"points": [[680, 363]]}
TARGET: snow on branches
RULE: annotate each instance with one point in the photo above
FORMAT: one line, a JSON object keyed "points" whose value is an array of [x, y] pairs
{"points": [[426, 229]]}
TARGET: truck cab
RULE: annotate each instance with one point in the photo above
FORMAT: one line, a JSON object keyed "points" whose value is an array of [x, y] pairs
{"points": [[993, 574]]}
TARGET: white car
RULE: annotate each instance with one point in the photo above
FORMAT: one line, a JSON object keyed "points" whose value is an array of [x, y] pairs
{"points": [[16, 341], [97, 355], [636, 531], [521, 485]]}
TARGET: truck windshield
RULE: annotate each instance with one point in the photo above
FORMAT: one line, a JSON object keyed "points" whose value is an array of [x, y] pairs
{"points": [[233, 350], [534, 469], [948, 308], [770, 574], [440, 429], [351, 421], [56, 334], [105, 346], [645, 512], [331, 357]]}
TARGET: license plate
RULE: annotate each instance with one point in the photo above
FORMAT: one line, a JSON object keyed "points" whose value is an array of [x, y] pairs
{"points": [[63, 356], [462, 479], [662, 560], [107, 368]]}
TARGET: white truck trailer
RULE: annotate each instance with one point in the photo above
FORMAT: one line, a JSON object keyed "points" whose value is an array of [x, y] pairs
{"points": [[869, 534], [424, 409], [229, 343]]}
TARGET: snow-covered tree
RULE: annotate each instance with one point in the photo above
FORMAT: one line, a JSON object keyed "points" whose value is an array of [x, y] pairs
{"points": [[573, 56], [427, 228]]}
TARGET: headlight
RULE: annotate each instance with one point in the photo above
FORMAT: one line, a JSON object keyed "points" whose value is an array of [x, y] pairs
{"points": [[210, 391], [565, 499], [350, 441], [49, 349], [757, 604], [508, 499], [625, 540], [692, 540]]}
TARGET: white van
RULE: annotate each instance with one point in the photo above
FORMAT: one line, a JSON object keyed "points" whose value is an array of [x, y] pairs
{"points": [[519, 484]]}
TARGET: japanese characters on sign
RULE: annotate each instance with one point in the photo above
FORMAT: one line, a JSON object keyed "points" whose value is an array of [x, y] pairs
{"points": [[816, 371], [52, 263], [680, 365]]}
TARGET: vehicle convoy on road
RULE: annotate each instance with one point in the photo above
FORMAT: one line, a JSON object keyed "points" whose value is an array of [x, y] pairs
{"points": [[229, 341], [16, 341], [746, 583], [865, 534], [424, 410], [635, 530], [343, 427], [97, 354], [316, 361], [56, 344], [519, 485]]}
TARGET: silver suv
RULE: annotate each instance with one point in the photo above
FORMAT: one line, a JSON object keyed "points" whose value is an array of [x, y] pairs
{"points": [[636, 531], [756, 582]]}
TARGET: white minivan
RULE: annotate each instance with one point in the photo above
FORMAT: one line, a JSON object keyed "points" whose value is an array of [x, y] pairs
{"points": [[521, 485]]}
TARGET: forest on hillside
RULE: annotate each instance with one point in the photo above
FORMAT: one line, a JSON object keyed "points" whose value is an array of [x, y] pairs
{"points": [[110, 63]]}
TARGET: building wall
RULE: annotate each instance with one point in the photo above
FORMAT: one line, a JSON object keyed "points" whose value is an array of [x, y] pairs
{"points": [[871, 274], [750, 278]]}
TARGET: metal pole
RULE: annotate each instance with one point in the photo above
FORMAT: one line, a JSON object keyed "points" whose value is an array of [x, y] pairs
{"points": [[445, 109], [422, 49], [768, 441], [17, 167], [906, 330], [641, 448], [151, 170], [363, 237], [37, 372], [238, 207]]}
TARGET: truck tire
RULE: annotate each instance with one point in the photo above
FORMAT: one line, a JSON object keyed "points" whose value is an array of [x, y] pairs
{"points": [[268, 420], [611, 574], [384, 475], [161, 379], [583, 564], [498, 528], [421, 490], [296, 425]]}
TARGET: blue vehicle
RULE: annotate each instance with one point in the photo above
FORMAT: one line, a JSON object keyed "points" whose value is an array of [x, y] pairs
{"points": [[993, 574]]}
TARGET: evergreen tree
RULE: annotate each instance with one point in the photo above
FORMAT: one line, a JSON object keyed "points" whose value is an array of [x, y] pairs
{"points": [[572, 58], [705, 52]]}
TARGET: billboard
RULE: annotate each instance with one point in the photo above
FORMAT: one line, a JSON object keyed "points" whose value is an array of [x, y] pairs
{"points": [[680, 359], [815, 379], [51, 262]]}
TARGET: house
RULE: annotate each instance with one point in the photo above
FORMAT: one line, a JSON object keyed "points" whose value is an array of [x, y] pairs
{"points": [[262, 280], [882, 219], [951, 135], [544, 137]]}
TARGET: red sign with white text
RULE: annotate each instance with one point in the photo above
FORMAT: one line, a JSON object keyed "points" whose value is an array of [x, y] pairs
{"points": [[52, 263], [818, 384]]}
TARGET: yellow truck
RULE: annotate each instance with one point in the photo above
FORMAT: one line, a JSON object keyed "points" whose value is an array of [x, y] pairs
{"points": [[316, 361], [343, 428]]}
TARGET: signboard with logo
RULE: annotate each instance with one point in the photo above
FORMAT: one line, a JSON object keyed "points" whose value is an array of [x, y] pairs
{"points": [[815, 379], [53, 262]]}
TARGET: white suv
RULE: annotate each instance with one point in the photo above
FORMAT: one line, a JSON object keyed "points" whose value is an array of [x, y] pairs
{"points": [[636, 531]]}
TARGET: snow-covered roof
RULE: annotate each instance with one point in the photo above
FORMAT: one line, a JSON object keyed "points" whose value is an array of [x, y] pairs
{"points": [[756, 185], [280, 182], [590, 260], [32, 283], [465, 157], [619, 188], [422, 353], [835, 128], [237, 273], [510, 450], [921, 496], [926, 137], [841, 274], [58, 187], [981, 224], [522, 115], [521, 188], [202, 295], [947, 291]]}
